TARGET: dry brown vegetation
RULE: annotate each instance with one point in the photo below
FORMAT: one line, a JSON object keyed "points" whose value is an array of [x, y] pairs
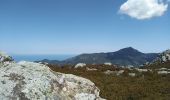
{"points": [[158, 64], [145, 86]]}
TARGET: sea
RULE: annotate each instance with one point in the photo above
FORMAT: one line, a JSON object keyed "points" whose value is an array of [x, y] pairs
{"points": [[40, 57]]}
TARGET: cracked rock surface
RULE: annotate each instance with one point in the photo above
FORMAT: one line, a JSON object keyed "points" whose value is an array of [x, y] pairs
{"points": [[34, 81]]}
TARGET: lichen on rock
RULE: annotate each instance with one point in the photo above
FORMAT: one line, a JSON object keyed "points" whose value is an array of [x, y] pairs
{"points": [[35, 81]]}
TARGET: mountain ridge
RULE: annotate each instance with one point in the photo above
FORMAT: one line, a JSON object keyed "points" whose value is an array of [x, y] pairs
{"points": [[125, 56]]}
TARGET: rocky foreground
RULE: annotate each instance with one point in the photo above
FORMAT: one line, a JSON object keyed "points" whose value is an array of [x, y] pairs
{"points": [[34, 81]]}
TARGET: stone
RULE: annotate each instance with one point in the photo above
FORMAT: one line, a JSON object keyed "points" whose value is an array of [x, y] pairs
{"points": [[120, 72], [108, 63], [141, 70], [80, 65], [4, 57], [108, 72], [132, 74], [34, 81], [91, 69], [163, 72]]}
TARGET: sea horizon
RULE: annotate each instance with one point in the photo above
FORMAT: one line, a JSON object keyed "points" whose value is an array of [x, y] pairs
{"points": [[39, 57]]}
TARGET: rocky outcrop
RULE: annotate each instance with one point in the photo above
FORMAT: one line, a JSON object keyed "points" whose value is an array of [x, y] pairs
{"points": [[4, 57], [35, 81], [163, 57]]}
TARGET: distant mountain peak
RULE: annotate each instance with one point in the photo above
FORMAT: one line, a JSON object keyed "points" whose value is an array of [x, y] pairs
{"points": [[129, 50]]}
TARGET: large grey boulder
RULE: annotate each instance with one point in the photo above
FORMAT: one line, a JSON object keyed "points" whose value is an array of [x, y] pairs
{"points": [[34, 81]]}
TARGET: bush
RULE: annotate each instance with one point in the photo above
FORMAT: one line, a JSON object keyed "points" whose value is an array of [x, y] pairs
{"points": [[151, 87]]}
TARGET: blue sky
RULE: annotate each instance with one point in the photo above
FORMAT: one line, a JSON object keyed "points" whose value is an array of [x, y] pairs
{"points": [[77, 26]]}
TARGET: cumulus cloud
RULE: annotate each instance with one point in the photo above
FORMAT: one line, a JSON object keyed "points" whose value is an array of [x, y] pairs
{"points": [[143, 9]]}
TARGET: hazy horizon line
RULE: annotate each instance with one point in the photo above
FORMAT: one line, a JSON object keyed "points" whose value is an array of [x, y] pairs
{"points": [[79, 52]]}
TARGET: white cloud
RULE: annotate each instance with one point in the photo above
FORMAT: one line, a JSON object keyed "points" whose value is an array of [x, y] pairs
{"points": [[143, 9]]}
